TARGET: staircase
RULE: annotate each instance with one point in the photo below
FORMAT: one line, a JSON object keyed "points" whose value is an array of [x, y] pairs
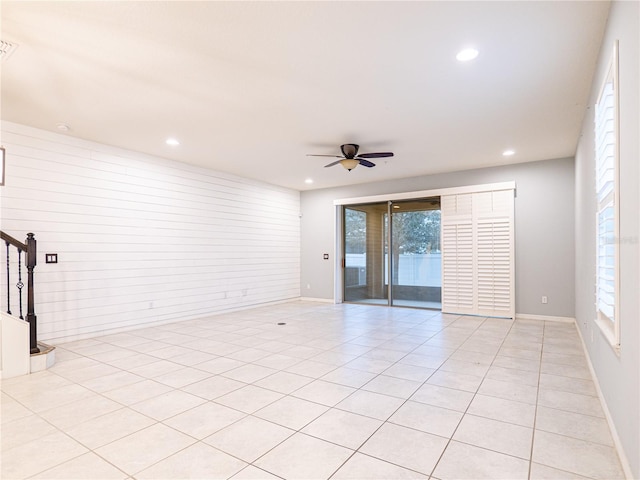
{"points": [[20, 351]]}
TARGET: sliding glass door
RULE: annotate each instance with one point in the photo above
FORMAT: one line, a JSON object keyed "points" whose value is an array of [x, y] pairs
{"points": [[397, 262], [365, 244], [416, 265]]}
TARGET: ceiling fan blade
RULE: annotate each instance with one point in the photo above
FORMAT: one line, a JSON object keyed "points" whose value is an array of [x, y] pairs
{"points": [[313, 155], [334, 163], [366, 163], [376, 155]]}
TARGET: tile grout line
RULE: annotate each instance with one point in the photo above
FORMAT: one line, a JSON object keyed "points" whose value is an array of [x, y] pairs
{"points": [[393, 413], [357, 450], [472, 398], [535, 412]]}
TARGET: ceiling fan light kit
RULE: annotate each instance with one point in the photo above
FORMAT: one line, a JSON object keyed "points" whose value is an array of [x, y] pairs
{"points": [[349, 163], [350, 158]]}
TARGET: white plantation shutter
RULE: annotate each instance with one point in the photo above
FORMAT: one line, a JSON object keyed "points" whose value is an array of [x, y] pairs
{"points": [[457, 253], [457, 267], [494, 253], [607, 222], [605, 191], [478, 254]]}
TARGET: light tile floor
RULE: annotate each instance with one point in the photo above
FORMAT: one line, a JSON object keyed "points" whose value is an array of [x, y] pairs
{"points": [[340, 391]]}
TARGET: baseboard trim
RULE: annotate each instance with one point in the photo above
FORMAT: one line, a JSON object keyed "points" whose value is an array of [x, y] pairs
{"points": [[624, 461], [157, 323], [314, 299], [544, 318]]}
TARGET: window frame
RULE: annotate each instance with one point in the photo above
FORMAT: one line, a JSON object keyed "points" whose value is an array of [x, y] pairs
{"points": [[610, 327]]}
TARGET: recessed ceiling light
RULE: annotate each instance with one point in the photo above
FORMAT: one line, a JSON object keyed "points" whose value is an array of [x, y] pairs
{"points": [[467, 54], [63, 127], [308, 181], [508, 153], [173, 142]]}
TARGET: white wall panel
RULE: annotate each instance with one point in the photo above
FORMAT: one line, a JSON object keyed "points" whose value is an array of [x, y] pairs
{"points": [[617, 370], [142, 240]]}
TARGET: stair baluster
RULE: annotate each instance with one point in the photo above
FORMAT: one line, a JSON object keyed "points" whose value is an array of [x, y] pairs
{"points": [[30, 250]]}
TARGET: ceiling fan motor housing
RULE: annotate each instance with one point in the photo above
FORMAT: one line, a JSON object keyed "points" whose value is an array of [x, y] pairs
{"points": [[349, 150]]}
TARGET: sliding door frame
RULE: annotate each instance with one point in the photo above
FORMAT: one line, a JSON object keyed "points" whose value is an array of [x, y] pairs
{"points": [[339, 205]]}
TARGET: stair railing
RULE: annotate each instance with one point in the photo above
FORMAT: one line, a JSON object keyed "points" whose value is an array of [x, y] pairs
{"points": [[30, 253]]}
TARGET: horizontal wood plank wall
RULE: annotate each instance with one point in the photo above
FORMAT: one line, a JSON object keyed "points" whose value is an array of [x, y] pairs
{"points": [[142, 240]]}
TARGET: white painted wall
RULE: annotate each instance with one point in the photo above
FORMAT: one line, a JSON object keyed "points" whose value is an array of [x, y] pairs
{"points": [[142, 240], [618, 376], [544, 243], [14, 346]]}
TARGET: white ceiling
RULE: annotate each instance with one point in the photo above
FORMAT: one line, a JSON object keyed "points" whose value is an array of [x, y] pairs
{"points": [[249, 88]]}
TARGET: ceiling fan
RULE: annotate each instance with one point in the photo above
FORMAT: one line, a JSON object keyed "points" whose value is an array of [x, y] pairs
{"points": [[350, 158]]}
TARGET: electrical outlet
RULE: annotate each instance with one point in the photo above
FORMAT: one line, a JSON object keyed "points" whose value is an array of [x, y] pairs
{"points": [[545, 299]]}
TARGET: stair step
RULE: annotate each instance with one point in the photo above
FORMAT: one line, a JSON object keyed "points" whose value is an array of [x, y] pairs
{"points": [[43, 360]]}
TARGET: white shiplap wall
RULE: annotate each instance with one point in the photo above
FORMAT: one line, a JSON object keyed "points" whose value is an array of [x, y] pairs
{"points": [[142, 240]]}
